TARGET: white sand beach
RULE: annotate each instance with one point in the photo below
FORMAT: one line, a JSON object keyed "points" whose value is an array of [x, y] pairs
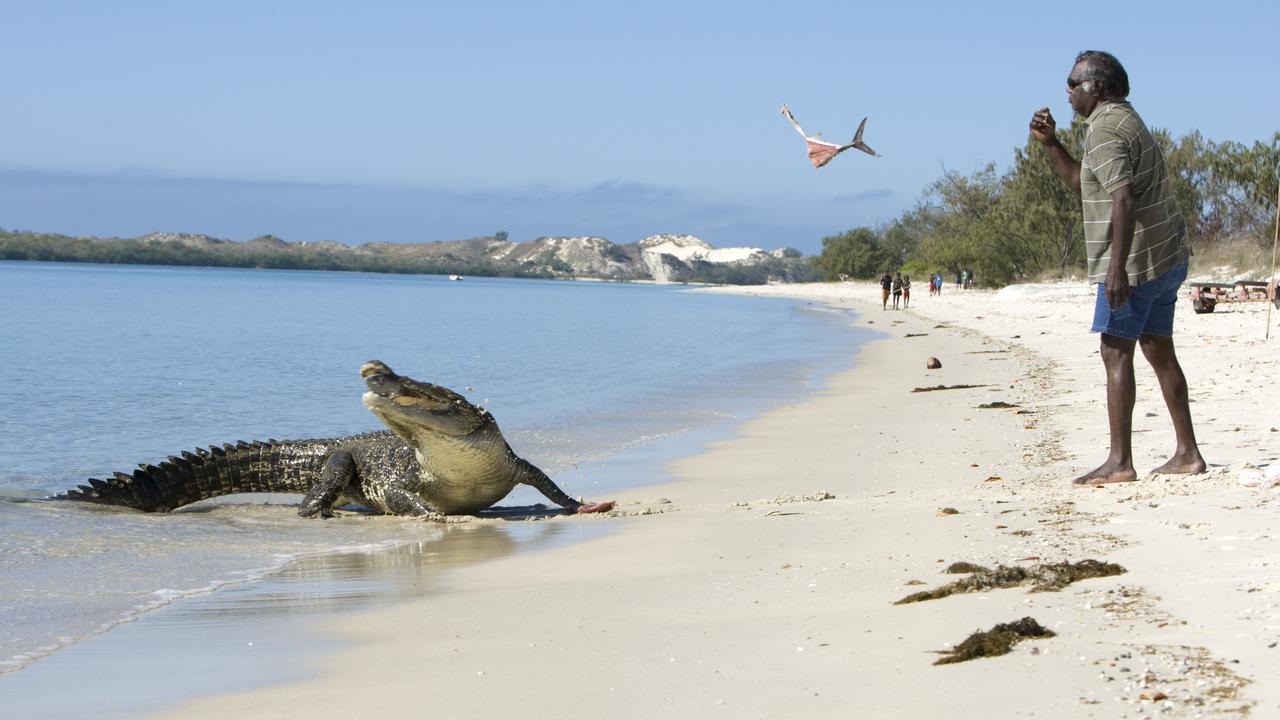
{"points": [[761, 584]]}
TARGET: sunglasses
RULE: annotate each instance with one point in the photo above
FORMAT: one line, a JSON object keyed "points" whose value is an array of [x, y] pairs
{"points": [[1073, 84]]}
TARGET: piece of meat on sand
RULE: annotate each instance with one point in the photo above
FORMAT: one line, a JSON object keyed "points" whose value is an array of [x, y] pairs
{"points": [[821, 151]]}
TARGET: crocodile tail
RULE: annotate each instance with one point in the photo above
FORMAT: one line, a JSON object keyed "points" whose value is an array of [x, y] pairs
{"points": [[271, 466]]}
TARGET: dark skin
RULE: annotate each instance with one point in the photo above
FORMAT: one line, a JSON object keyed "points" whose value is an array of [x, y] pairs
{"points": [[1117, 352]]}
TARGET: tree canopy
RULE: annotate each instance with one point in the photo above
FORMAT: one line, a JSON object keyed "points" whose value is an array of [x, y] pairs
{"points": [[1022, 223]]}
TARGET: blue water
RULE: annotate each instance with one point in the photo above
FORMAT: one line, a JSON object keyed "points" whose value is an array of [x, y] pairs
{"points": [[103, 367]]}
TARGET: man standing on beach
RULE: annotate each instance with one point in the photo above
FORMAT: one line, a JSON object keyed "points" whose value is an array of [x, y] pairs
{"points": [[886, 282], [1137, 246]]}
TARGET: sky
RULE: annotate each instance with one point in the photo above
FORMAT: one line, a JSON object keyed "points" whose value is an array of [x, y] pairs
{"points": [[422, 121]]}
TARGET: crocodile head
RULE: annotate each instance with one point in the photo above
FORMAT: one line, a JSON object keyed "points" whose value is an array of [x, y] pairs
{"points": [[416, 411]]}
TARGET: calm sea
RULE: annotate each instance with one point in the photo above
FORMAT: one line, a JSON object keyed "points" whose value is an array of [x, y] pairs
{"points": [[104, 367]]}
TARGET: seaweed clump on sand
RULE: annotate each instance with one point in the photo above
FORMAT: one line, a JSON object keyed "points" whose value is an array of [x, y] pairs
{"points": [[999, 640], [963, 568], [1048, 577], [997, 405], [945, 387]]}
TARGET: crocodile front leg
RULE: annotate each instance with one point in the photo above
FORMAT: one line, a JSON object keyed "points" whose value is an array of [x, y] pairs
{"points": [[537, 479], [339, 471]]}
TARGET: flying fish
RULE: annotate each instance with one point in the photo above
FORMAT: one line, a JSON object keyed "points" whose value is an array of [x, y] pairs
{"points": [[820, 151]]}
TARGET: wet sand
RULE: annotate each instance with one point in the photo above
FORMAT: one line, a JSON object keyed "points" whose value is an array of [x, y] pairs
{"points": [[761, 582]]}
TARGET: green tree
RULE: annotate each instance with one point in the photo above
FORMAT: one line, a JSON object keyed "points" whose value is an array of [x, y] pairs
{"points": [[854, 253], [1041, 210], [1248, 186], [1195, 187], [965, 232]]}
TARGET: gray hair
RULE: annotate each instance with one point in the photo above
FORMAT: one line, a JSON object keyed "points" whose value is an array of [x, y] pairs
{"points": [[1108, 75]]}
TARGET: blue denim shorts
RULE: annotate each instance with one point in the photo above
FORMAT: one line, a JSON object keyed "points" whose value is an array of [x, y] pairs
{"points": [[1148, 311]]}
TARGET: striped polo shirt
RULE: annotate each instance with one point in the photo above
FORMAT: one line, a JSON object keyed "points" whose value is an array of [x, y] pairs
{"points": [[1118, 151]]}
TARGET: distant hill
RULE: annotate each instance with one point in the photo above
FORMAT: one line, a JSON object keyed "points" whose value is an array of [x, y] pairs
{"points": [[658, 258]]}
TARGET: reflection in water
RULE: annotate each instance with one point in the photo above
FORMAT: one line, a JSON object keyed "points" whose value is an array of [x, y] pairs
{"points": [[261, 633], [358, 579]]}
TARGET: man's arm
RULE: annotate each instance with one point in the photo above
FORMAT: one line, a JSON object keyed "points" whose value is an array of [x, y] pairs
{"points": [[1067, 168], [1117, 285]]}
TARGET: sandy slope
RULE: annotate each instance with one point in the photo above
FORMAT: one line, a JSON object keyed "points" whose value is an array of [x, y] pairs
{"points": [[742, 590]]}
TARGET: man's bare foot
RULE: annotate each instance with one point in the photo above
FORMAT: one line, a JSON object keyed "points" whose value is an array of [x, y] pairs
{"points": [[1105, 475], [599, 507], [1183, 464]]}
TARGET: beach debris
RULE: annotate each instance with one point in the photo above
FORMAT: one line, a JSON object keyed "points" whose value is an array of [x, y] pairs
{"points": [[999, 640], [818, 496], [997, 405], [964, 568], [945, 387], [933, 363], [917, 335], [647, 510], [1255, 477], [637, 508], [1048, 577], [948, 511], [821, 152], [993, 478]]}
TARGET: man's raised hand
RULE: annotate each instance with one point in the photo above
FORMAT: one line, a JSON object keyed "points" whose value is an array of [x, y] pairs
{"points": [[1043, 127]]}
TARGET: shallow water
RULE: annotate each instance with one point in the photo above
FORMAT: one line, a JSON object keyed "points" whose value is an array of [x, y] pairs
{"points": [[108, 366]]}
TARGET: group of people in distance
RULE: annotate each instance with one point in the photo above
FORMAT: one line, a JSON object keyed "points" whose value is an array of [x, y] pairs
{"points": [[898, 286]]}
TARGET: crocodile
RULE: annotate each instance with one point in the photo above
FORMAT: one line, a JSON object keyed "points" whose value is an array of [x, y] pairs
{"points": [[441, 456]]}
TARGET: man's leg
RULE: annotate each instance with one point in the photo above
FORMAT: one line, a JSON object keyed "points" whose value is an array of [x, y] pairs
{"points": [[1159, 352], [1117, 359]]}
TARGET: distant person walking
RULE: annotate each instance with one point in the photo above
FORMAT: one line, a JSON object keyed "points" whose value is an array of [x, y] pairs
{"points": [[886, 282], [1137, 247], [897, 289], [906, 291], [938, 277]]}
